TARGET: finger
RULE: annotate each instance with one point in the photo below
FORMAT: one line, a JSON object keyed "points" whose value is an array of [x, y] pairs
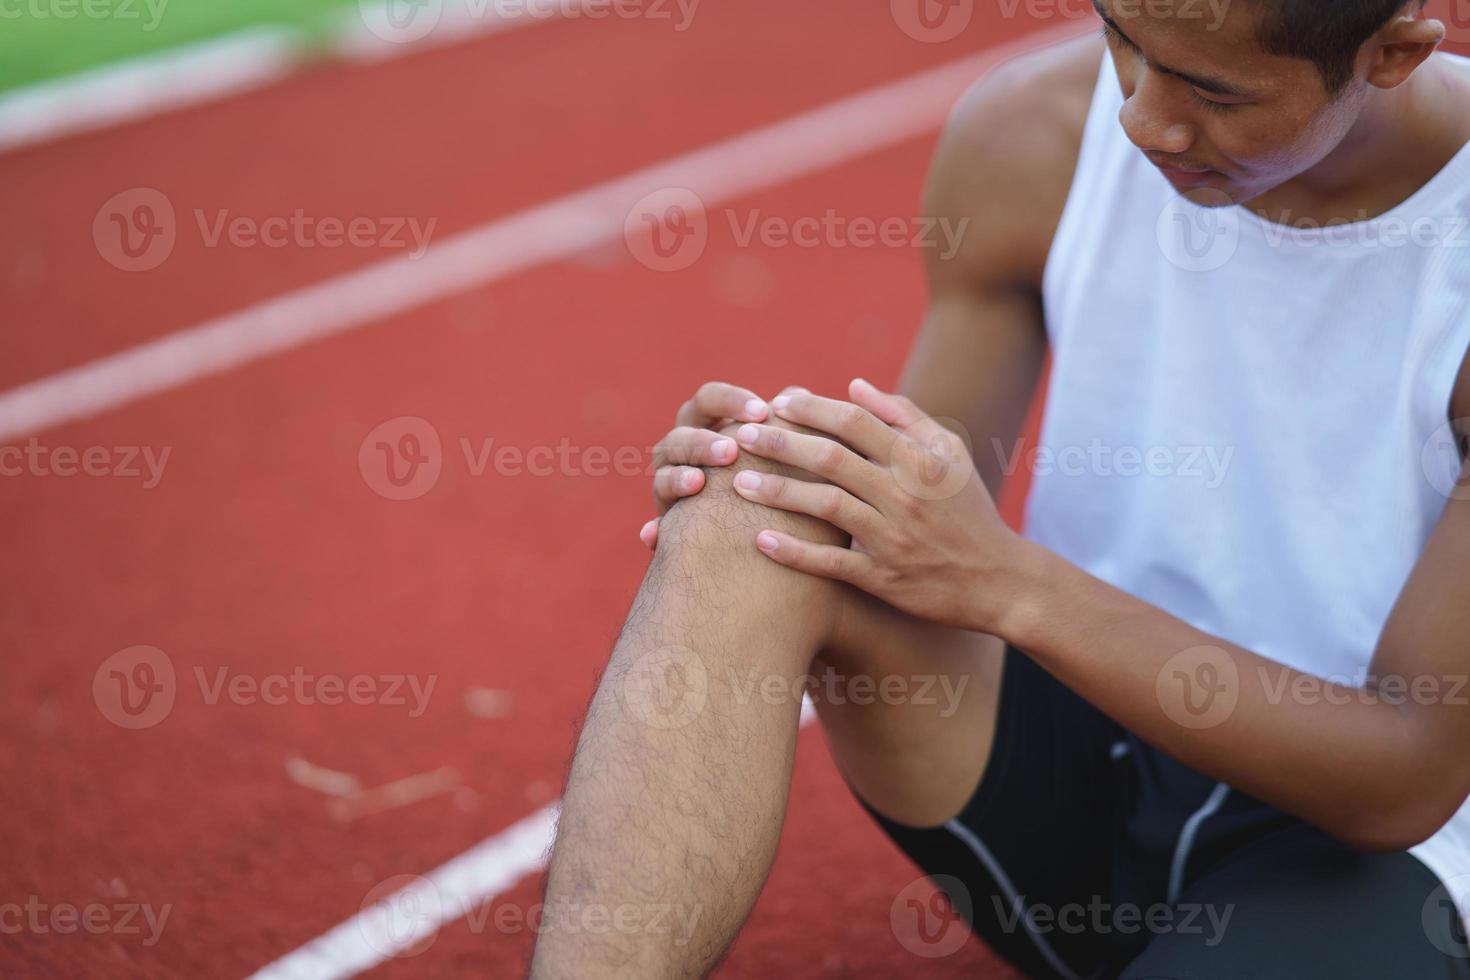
{"points": [[896, 410], [824, 560], [716, 401], [673, 483], [818, 455], [853, 424], [687, 446], [649, 535], [820, 500], [794, 390]]}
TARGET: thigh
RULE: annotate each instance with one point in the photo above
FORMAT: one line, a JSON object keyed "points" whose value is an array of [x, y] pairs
{"points": [[1030, 855], [1302, 906], [908, 708]]}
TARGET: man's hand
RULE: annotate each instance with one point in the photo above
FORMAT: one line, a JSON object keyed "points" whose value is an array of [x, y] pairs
{"points": [[926, 535], [696, 441]]}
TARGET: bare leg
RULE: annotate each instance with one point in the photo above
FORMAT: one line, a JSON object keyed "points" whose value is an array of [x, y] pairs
{"points": [[678, 790]]}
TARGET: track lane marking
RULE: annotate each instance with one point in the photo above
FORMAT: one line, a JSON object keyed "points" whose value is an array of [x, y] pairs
{"points": [[398, 922], [807, 143]]}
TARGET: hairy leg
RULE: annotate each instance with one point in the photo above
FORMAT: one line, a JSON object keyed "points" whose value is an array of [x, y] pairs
{"points": [[677, 794]]}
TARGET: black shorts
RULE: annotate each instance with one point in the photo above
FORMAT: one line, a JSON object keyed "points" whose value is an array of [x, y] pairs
{"points": [[1085, 853]]}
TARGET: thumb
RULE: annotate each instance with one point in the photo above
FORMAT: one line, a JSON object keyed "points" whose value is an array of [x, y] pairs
{"points": [[896, 410]]}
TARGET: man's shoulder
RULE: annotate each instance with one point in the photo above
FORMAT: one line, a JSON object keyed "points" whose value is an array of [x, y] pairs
{"points": [[1010, 149], [1047, 92]]}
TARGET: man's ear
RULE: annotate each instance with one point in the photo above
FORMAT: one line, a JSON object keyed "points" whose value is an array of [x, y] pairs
{"points": [[1402, 46]]}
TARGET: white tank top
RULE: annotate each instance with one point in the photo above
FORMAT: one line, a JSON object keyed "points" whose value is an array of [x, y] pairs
{"points": [[1247, 423]]}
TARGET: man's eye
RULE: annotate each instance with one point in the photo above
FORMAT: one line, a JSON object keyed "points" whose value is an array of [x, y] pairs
{"points": [[1210, 104]]}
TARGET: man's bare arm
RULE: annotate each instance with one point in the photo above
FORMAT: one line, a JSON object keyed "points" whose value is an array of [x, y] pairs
{"points": [[1000, 178], [1382, 766]]}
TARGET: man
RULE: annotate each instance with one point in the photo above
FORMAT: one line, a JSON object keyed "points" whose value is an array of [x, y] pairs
{"points": [[1223, 674]]}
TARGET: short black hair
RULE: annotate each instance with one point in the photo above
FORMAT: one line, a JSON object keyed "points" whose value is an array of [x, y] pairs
{"points": [[1328, 33]]}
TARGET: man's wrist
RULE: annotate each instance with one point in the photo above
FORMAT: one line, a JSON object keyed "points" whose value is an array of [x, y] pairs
{"points": [[1016, 606]]}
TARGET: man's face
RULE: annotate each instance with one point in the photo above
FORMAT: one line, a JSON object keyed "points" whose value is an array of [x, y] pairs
{"points": [[1224, 120]]}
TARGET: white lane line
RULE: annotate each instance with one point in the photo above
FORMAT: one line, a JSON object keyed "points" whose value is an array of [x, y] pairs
{"points": [[801, 145], [144, 86], [251, 58], [400, 922]]}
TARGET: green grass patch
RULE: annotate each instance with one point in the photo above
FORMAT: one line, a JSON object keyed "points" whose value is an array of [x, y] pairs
{"points": [[42, 39]]}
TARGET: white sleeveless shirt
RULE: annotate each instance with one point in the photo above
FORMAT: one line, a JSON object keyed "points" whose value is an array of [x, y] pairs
{"points": [[1247, 423]]}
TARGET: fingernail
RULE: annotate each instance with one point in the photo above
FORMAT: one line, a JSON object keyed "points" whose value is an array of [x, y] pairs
{"points": [[748, 481], [766, 541], [755, 409], [748, 434], [722, 449], [781, 401], [687, 480], [864, 381], [648, 529]]}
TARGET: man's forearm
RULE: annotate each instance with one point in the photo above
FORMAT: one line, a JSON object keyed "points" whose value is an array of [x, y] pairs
{"points": [[1353, 761]]}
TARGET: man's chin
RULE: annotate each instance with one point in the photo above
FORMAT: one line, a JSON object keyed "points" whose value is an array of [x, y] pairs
{"points": [[1213, 196]]}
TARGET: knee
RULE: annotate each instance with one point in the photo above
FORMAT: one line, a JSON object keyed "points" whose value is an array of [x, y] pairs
{"points": [[719, 519]]}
